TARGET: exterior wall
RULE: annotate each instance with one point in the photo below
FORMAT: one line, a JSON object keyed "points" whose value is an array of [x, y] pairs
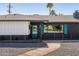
{"points": [[13, 37], [73, 30], [19, 30], [52, 36], [14, 28], [73, 33]]}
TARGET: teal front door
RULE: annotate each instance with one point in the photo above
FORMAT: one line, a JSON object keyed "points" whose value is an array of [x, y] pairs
{"points": [[35, 32]]}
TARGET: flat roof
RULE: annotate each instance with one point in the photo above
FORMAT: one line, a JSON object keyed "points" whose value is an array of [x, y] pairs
{"points": [[18, 17]]}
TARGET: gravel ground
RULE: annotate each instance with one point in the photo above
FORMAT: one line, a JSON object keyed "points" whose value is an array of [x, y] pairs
{"points": [[66, 49], [13, 51]]}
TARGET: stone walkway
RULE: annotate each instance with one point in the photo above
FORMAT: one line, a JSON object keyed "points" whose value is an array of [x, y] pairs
{"points": [[42, 51]]}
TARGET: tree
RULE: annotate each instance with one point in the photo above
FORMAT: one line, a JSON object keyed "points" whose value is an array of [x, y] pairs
{"points": [[76, 14], [9, 8], [53, 13], [49, 6]]}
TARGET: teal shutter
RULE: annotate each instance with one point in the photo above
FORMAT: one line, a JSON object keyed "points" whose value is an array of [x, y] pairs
{"points": [[65, 29]]}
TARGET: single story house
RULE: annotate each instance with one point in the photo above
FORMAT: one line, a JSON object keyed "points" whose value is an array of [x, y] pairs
{"points": [[26, 28]]}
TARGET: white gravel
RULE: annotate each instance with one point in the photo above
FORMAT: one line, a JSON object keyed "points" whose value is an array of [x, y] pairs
{"points": [[66, 49], [12, 51]]}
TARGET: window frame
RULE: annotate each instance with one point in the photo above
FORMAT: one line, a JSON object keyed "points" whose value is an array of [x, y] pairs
{"points": [[62, 31]]}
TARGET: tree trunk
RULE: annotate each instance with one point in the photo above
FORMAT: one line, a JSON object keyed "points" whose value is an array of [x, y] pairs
{"points": [[49, 11]]}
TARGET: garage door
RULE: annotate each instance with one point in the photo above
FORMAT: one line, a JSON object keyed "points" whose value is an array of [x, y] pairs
{"points": [[14, 28]]}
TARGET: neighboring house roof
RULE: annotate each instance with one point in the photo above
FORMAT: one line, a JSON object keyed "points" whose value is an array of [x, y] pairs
{"points": [[65, 18]]}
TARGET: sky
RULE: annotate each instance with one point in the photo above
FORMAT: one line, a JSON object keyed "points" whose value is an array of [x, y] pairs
{"points": [[39, 8]]}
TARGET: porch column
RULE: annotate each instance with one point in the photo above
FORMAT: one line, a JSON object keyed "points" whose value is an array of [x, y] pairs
{"points": [[41, 30]]}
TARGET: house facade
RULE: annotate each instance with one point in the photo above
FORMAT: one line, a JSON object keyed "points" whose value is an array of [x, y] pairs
{"points": [[35, 28]]}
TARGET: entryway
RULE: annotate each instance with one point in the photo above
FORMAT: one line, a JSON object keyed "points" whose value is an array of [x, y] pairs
{"points": [[35, 31]]}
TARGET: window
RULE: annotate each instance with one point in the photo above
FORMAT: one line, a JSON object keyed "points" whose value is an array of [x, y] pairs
{"points": [[53, 28]]}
